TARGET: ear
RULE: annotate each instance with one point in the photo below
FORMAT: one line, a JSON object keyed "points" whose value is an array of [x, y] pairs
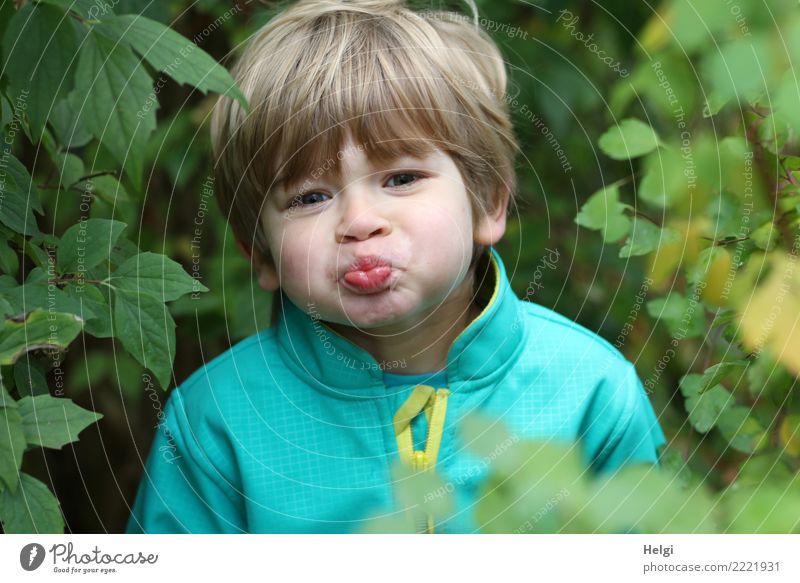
{"points": [[492, 225], [264, 266]]}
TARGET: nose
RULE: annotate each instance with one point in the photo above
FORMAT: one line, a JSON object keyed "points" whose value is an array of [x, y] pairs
{"points": [[361, 217]]}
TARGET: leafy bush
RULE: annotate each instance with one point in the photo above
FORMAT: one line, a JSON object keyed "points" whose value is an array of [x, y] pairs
{"points": [[711, 135], [78, 82], [692, 273]]}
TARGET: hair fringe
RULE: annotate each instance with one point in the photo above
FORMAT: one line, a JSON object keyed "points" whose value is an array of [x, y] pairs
{"points": [[400, 82]]}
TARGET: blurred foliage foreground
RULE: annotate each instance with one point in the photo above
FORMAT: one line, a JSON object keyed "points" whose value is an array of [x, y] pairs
{"points": [[704, 203]]}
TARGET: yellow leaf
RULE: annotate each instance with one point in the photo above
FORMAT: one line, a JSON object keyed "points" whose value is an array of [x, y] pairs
{"points": [[677, 252], [657, 30], [770, 318], [789, 433], [716, 279]]}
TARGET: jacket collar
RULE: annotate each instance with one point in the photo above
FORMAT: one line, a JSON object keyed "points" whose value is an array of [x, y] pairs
{"points": [[479, 356]]}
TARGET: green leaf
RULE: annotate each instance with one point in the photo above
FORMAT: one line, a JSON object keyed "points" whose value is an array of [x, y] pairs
{"points": [[774, 132], [12, 443], [693, 24], [7, 282], [90, 9], [32, 509], [6, 400], [94, 308], [6, 309], [740, 67], [111, 200], [766, 236], [88, 243], [542, 481], [20, 198], [106, 188], [377, 523], [769, 381], [742, 431], [37, 293], [733, 154], [482, 434], [53, 422], [39, 45], [117, 92], [123, 251], [15, 214], [421, 493], [605, 213], [9, 261], [705, 409], [770, 507], [647, 499], [668, 83], [714, 103], [673, 464], [23, 183], [769, 466], [489, 438], [156, 275], [683, 317], [787, 103], [70, 170], [147, 331], [36, 275], [69, 167], [30, 377], [67, 123], [6, 112], [715, 374], [31, 248], [691, 384], [664, 183], [630, 139], [168, 51], [39, 330], [645, 238]]}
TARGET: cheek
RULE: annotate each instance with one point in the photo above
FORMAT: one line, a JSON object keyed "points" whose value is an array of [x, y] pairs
{"points": [[298, 256], [444, 230], [292, 251]]}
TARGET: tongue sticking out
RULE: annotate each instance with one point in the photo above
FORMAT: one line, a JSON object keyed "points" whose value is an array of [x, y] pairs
{"points": [[368, 279]]}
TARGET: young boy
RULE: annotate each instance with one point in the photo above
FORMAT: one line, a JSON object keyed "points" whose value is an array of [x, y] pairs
{"points": [[369, 183]]}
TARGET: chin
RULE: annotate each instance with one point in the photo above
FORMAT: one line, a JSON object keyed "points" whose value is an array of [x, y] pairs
{"points": [[371, 313]]}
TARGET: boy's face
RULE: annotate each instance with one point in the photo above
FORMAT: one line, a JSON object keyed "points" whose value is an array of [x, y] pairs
{"points": [[379, 248]]}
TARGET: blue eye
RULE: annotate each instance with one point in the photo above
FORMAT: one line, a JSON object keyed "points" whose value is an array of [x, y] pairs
{"points": [[307, 199], [414, 176]]}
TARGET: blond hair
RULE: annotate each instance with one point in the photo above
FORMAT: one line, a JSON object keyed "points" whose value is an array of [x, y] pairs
{"points": [[400, 82]]}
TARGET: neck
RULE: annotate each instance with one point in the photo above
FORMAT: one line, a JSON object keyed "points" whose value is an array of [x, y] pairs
{"points": [[420, 346]]}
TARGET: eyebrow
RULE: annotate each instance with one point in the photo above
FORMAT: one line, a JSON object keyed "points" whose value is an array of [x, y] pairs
{"points": [[289, 184]]}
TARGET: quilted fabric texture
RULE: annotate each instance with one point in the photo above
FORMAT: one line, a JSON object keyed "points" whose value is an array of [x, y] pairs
{"points": [[290, 431]]}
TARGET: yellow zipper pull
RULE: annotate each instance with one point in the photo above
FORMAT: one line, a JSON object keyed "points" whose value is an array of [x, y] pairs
{"points": [[420, 461], [434, 404]]}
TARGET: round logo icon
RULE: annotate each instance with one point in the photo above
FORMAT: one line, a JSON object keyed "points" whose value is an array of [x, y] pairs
{"points": [[31, 556]]}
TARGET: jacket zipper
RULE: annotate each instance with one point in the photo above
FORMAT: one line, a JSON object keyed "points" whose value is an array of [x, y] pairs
{"points": [[432, 403]]}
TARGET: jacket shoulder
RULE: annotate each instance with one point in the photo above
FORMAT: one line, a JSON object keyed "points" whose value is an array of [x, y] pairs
{"points": [[548, 327], [225, 377]]}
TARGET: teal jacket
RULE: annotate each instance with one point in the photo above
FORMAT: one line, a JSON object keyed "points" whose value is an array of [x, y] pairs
{"points": [[295, 429]]}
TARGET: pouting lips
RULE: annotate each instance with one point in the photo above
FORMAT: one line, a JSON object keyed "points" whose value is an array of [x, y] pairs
{"points": [[368, 273], [368, 279]]}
